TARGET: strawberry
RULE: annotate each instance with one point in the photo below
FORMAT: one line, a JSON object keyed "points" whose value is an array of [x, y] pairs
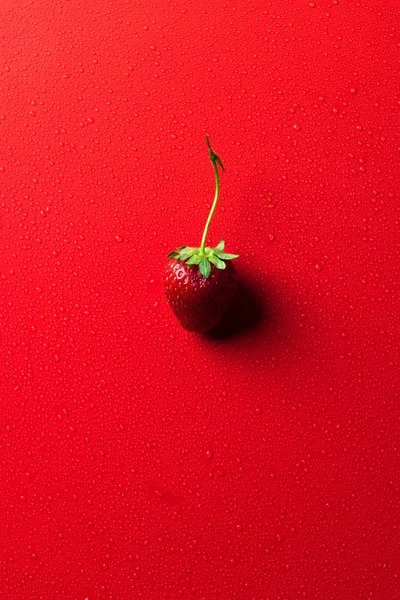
{"points": [[199, 283]]}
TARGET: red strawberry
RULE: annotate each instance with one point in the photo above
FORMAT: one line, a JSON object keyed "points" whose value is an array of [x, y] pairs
{"points": [[199, 302], [199, 284]]}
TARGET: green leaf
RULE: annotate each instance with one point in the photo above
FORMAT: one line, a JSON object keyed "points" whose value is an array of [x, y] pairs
{"points": [[217, 262], [180, 252], [226, 256], [194, 260], [220, 246], [205, 267]]}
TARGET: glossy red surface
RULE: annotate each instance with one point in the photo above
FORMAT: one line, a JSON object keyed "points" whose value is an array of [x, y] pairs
{"points": [[139, 460]]}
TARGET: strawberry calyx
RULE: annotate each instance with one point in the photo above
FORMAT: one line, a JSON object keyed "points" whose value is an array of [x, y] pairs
{"points": [[203, 257]]}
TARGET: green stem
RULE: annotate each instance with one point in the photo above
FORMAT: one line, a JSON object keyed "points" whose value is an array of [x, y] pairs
{"points": [[215, 159]]}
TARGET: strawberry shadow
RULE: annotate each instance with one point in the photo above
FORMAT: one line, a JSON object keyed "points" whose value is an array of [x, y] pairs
{"points": [[247, 312]]}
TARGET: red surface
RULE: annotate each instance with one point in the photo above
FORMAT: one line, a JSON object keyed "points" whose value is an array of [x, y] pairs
{"points": [[141, 461]]}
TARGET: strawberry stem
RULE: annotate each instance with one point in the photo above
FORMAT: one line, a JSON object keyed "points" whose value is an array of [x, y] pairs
{"points": [[215, 159]]}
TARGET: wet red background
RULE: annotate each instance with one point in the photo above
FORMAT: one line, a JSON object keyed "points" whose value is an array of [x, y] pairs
{"points": [[138, 460]]}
